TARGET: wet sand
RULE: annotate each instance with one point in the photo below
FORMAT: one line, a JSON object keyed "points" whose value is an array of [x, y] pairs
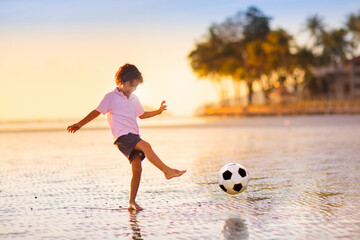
{"points": [[304, 175]]}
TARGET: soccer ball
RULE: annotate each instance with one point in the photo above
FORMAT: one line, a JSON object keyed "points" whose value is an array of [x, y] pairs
{"points": [[233, 178]]}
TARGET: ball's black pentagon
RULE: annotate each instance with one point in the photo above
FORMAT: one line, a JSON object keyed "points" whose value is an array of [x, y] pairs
{"points": [[237, 187], [223, 188], [242, 172], [227, 175]]}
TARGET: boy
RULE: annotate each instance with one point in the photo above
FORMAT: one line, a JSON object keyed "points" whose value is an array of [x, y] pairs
{"points": [[122, 108]]}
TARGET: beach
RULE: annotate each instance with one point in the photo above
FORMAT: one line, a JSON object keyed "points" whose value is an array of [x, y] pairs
{"points": [[304, 181]]}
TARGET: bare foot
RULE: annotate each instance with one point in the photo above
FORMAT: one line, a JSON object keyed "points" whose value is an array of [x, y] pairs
{"points": [[134, 206], [174, 173]]}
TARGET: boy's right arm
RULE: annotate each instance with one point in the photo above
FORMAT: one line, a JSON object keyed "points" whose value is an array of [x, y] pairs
{"points": [[76, 126]]}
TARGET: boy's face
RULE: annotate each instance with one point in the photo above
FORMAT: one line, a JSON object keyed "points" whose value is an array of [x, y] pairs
{"points": [[130, 86]]}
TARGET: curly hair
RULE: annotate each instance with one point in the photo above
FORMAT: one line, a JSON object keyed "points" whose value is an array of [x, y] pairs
{"points": [[127, 72]]}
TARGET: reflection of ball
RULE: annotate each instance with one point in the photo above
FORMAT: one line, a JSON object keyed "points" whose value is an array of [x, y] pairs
{"points": [[233, 178]]}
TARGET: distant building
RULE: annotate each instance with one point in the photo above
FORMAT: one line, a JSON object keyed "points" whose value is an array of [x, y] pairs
{"points": [[282, 96], [341, 81]]}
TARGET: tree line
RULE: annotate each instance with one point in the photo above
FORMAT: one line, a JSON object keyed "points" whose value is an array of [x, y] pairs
{"points": [[245, 49]]}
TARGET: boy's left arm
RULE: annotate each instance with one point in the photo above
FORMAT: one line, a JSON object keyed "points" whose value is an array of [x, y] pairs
{"points": [[150, 114]]}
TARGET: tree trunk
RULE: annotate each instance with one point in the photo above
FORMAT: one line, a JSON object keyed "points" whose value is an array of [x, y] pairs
{"points": [[220, 88], [236, 84], [250, 94]]}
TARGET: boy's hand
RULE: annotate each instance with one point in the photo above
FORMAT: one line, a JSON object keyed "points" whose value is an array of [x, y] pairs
{"points": [[150, 114], [73, 128], [163, 107]]}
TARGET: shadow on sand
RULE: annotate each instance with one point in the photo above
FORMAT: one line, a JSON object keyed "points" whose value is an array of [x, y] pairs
{"points": [[235, 228]]}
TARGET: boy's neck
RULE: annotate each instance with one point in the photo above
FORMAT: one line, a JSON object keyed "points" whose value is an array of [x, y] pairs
{"points": [[125, 94]]}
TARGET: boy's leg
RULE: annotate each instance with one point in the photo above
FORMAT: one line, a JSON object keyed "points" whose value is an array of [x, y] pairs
{"points": [[136, 170], [154, 159]]}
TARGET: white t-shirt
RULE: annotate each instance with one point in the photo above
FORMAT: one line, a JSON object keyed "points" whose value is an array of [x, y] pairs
{"points": [[122, 112]]}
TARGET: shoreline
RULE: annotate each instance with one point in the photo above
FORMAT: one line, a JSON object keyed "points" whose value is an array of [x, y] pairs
{"points": [[279, 110], [205, 121]]}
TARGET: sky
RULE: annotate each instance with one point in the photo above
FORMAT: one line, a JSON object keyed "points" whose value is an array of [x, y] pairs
{"points": [[58, 58]]}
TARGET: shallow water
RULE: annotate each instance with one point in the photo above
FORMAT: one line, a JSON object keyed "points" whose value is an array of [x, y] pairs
{"points": [[304, 182]]}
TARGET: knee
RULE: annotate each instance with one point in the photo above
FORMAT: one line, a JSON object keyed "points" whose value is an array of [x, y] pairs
{"points": [[143, 145]]}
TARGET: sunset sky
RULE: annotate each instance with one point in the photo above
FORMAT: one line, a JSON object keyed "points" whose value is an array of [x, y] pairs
{"points": [[58, 58]]}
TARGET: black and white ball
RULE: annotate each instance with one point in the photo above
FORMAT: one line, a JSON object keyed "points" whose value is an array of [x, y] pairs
{"points": [[233, 178]]}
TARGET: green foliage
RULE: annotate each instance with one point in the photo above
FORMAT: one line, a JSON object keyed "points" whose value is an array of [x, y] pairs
{"points": [[353, 26], [244, 48], [336, 48], [256, 25]]}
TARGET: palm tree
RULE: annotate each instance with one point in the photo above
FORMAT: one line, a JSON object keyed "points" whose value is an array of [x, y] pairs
{"points": [[336, 49], [315, 25], [304, 60], [353, 26]]}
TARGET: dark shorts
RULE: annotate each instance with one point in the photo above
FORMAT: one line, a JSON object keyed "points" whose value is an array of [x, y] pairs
{"points": [[126, 144]]}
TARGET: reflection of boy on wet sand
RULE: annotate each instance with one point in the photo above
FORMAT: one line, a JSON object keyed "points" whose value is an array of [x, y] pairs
{"points": [[122, 108]]}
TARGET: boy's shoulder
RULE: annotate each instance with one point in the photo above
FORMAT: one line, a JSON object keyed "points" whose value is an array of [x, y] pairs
{"points": [[110, 94], [108, 97]]}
